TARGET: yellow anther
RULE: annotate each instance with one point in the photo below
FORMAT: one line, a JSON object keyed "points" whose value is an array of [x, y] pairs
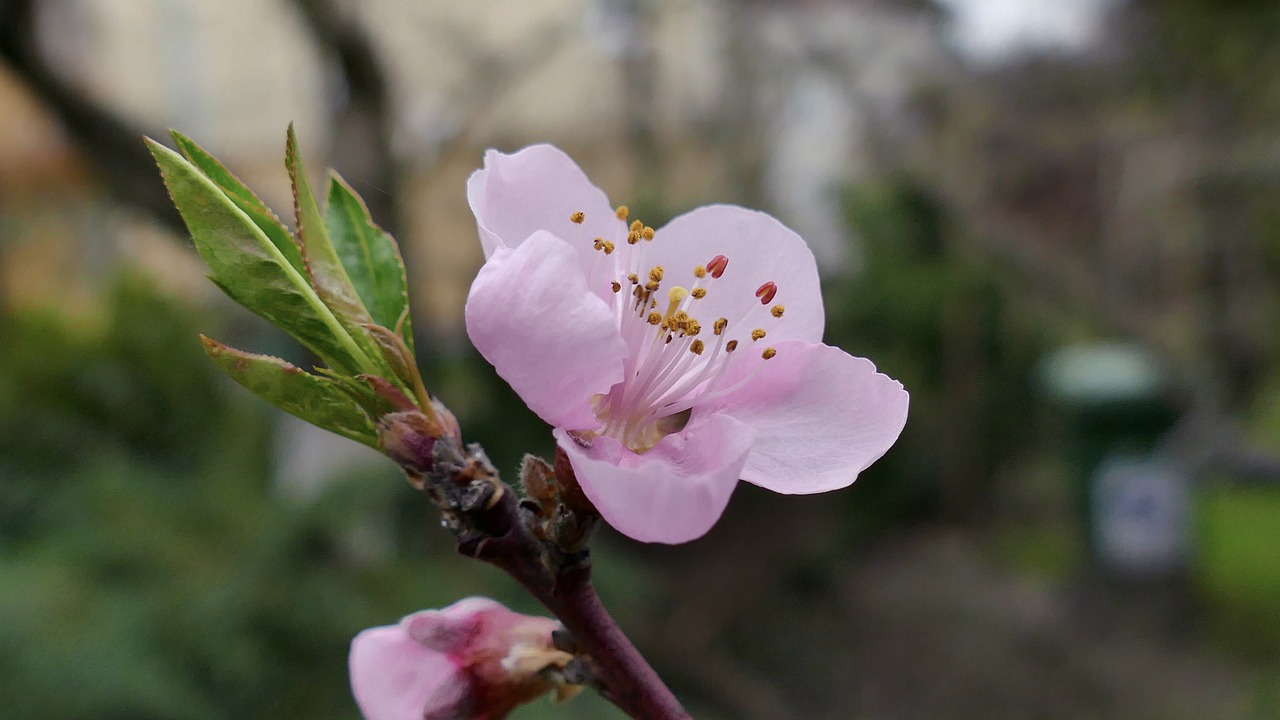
{"points": [[700, 271], [731, 346], [635, 279], [636, 226], [607, 247], [692, 327], [719, 325], [617, 286], [651, 286], [598, 243], [633, 238], [656, 273], [577, 217], [654, 318], [757, 334], [777, 310], [768, 353], [622, 212], [697, 347], [698, 293], [646, 232]]}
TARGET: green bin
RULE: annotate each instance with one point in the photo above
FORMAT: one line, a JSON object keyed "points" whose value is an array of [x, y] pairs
{"points": [[1114, 406]]}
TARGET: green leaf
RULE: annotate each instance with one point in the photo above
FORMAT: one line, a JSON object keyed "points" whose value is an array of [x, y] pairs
{"points": [[243, 198], [361, 392], [371, 257], [316, 399], [251, 269], [327, 274], [400, 359]]}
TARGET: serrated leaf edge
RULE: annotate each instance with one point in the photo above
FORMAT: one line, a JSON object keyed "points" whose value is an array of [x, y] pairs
{"points": [[308, 292], [213, 347]]}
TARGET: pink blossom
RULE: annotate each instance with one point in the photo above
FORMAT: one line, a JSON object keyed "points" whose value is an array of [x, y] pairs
{"points": [[474, 660], [672, 363]]}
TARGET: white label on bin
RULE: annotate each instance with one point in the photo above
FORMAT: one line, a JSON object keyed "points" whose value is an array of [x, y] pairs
{"points": [[1140, 516]]}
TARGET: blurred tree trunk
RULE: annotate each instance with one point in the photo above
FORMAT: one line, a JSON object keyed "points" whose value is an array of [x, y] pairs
{"points": [[962, 473], [111, 146], [741, 132], [638, 71], [364, 117]]}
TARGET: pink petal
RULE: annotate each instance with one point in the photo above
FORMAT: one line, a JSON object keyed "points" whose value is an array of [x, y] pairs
{"points": [[673, 493], [393, 677], [449, 629], [538, 188], [820, 417], [760, 249], [556, 344]]}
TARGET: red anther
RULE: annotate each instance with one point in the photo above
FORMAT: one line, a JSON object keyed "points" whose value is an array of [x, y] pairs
{"points": [[717, 265], [766, 292]]}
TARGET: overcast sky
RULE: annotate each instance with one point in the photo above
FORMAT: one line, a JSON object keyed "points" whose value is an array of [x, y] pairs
{"points": [[990, 30]]}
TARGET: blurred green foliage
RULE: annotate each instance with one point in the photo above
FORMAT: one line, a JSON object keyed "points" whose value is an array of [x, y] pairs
{"points": [[1217, 50], [1236, 564], [150, 570], [940, 323]]}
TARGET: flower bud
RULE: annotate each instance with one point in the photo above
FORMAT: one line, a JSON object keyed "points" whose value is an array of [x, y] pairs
{"points": [[570, 491], [408, 437], [474, 660]]}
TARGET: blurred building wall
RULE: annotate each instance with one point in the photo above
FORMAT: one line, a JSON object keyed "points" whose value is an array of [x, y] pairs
{"points": [[670, 102]]}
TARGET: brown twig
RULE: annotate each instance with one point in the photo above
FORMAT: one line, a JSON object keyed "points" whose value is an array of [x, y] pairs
{"points": [[490, 524]]}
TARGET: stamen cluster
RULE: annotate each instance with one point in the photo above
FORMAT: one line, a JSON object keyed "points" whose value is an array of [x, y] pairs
{"points": [[671, 366]]}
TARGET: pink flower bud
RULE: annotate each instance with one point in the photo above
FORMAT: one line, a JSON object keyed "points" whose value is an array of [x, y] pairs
{"points": [[474, 660]]}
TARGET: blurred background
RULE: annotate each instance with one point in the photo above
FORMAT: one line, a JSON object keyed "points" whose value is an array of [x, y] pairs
{"points": [[1055, 221]]}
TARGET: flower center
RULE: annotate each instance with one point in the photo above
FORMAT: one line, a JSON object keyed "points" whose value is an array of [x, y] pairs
{"points": [[675, 361]]}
